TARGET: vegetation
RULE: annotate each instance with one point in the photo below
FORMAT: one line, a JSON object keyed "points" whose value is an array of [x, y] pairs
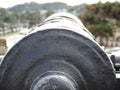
{"points": [[26, 15], [28, 7], [101, 19], [49, 12]]}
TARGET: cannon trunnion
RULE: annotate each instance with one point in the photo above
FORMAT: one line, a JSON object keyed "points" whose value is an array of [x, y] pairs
{"points": [[60, 54]]}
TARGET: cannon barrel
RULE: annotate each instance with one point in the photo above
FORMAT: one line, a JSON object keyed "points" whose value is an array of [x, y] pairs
{"points": [[60, 54]]}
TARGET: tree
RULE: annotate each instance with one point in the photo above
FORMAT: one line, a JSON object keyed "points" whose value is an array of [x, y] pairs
{"points": [[96, 20], [2, 28], [10, 19], [33, 18], [49, 12], [115, 10], [3, 13]]}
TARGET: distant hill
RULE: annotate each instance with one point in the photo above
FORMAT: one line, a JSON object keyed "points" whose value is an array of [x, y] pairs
{"points": [[24, 7], [81, 7], [28, 7], [54, 6], [78, 9]]}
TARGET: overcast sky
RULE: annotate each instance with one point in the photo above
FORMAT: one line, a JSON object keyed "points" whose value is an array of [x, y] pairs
{"points": [[10, 3]]}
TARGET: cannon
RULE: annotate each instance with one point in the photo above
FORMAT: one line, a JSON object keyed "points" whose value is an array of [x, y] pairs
{"points": [[59, 54]]}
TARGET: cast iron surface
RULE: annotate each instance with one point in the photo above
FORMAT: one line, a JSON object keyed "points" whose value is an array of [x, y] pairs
{"points": [[62, 59]]}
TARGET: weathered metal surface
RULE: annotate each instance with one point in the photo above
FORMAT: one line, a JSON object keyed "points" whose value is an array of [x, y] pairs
{"points": [[57, 58]]}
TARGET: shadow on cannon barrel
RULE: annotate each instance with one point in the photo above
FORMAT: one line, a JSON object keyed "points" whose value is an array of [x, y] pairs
{"points": [[60, 54]]}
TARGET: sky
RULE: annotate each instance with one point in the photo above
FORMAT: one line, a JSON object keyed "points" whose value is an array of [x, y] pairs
{"points": [[10, 3]]}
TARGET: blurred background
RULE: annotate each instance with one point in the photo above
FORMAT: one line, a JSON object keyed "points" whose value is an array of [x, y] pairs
{"points": [[101, 17]]}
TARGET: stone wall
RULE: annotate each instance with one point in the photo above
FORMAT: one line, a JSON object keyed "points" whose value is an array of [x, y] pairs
{"points": [[3, 46]]}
